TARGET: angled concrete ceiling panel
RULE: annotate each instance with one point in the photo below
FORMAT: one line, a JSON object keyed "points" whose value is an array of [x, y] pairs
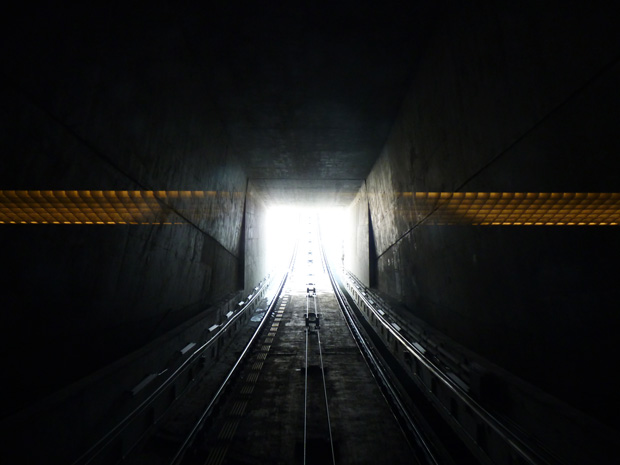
{"points": [[297, 90], [307, 92]]}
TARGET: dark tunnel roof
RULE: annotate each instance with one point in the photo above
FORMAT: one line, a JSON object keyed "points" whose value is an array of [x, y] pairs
{"points": [[305, 91], [308, 91]]}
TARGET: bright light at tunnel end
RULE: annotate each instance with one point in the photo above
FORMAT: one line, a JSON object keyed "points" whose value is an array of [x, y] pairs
{"points": [[286, 224]]}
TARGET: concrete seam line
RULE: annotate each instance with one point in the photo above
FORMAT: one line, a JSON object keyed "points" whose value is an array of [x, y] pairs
{"points": [[99, 154], [607, 67]]}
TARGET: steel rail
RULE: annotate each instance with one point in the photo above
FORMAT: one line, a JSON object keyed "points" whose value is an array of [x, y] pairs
{"points": [[100, 445], [329, 424], [178, 457], [532, 456], [322, 366], [378, 371], [306, 391]]}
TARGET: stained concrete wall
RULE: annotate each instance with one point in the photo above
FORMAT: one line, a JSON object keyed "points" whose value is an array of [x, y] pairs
{"points": [[357, 252], [510, 98], [256, 238], [93, 102]]}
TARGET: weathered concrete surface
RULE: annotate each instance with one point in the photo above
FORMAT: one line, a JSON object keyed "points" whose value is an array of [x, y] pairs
{"points": [[255, 266], [308, 90], [317, 193], [504, 97], [357, 252], [89, 109], [174, 97], [510, 99]]}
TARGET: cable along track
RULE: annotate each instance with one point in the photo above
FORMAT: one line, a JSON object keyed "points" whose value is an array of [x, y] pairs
{"points": [[303, 393], [313, 331]]}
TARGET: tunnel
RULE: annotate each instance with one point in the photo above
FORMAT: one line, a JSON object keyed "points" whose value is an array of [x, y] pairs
{"points": [[469, 149]]}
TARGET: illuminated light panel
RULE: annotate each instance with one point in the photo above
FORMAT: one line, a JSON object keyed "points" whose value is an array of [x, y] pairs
{"points": [[140, 207], [104, 207], [515, 208]]}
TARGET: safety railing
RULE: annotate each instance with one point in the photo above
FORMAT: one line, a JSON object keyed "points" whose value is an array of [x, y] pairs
{"points": [[444, 380], [120, 440], [207, 411]]}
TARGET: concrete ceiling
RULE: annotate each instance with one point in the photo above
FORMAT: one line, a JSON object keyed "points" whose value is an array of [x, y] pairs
{"points": [[307, 92]]}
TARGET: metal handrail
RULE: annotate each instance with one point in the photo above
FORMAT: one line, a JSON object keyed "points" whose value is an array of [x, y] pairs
{"points": [[376, 366], [455, 362], [216, 398], [526, 452], [96, 448]]}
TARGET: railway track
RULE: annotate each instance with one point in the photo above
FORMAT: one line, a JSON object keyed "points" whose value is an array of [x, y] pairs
{"points": [[197, 447], [316, 384], [301, 391], [313, 341]]}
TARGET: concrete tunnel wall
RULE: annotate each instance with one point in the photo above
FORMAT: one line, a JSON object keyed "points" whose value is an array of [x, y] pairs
{"points": [[76, 298], [357, 257], [505, 98], [508, 98]]}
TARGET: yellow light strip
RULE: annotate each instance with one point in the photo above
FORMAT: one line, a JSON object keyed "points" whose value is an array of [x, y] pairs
{"points": [[518, 208], [442, 208], [98, 207]]}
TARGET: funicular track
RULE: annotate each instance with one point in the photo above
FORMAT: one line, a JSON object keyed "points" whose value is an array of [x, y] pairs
{"points": [[296, 393], [190, 451], [313, 326], [411, 428], [301, 390]]}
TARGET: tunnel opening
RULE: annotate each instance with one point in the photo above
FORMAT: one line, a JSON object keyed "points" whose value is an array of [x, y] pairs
{"points": [[287, 224]]}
